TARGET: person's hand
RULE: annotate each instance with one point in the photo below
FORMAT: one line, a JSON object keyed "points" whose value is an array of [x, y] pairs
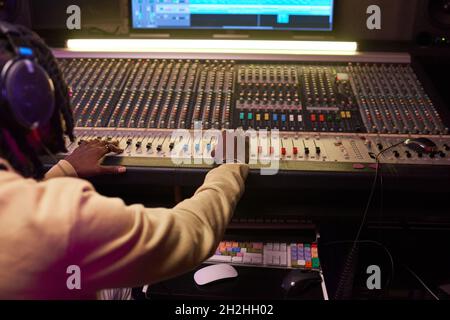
{"points": [[236, 156], [87, 157]]}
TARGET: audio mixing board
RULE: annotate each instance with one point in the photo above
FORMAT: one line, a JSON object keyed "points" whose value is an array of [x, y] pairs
{"points": [[325, 113]]}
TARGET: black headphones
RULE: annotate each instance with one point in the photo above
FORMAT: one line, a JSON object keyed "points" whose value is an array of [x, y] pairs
{"points": [[27, 91]]}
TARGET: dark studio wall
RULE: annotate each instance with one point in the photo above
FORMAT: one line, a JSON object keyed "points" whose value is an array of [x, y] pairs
{"points": [[398, 17], [402, 20]]}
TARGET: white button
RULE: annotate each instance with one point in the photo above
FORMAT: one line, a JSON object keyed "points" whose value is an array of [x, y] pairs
{"points": [[237, 260], [257, 260], [283, 259], [220, 258], [275, 260], [268, 257]]}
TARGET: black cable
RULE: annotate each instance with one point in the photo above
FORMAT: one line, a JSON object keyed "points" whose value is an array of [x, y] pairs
{"points": [[421, 282], [389, 281], [346, 273]]}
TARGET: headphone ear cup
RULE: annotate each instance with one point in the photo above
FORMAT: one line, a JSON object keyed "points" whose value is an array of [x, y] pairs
{"points": [[29, 93]]}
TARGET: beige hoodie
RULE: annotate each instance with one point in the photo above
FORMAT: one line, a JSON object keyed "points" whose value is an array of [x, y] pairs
{"points": [[46, 227]]}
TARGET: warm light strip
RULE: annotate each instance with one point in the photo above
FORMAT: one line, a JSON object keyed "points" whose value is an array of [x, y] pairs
{"points": [[212, 46]]}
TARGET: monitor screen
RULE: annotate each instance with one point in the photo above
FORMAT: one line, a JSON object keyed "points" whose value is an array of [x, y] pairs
{"points": [[291, 15]]}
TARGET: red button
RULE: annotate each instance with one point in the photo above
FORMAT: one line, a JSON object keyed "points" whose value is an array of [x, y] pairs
{"points": [[271, 150], [260, 150], [313, 118], [295, 151], [283, 151]]}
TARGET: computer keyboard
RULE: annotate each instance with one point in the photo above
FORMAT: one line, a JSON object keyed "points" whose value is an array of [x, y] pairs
{"points": [[280, 255]]}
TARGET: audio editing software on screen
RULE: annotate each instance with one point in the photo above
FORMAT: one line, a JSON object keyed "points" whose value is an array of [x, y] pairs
{"points": [[294, 15]]}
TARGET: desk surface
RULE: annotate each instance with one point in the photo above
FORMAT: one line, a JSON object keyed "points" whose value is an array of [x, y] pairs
{"points": [[251, 284]]}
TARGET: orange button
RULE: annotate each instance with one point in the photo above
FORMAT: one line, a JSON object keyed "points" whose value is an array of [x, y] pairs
{"points": [[322, 118]]}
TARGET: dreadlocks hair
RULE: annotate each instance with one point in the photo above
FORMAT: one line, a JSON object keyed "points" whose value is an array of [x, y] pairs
{"points": [[15, 145]]}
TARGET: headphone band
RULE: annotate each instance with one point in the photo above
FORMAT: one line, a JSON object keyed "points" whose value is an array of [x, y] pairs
{"points": [[20, 46]]}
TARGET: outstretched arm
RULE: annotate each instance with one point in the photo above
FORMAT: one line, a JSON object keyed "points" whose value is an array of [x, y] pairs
{"points": [[120, 246]]}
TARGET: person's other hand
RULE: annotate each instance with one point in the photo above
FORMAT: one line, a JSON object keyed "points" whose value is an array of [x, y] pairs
{"points": [[87, 157]]}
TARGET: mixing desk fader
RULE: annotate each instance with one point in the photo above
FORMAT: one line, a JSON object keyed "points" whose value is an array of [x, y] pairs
{"points": [[162, 94]]}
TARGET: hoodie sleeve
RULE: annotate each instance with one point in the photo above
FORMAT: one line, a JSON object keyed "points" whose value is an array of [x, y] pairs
{"points": [[126, 246]]}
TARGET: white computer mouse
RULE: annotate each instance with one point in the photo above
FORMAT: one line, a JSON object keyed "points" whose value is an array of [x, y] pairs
{"points": [[214, 273]]}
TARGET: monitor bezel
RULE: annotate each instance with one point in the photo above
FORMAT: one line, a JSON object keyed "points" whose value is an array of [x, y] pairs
{"points": [[233, 33]]}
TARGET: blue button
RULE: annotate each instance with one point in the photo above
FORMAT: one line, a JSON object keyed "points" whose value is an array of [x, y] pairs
{"points": [[275, 117], [283, 118]]}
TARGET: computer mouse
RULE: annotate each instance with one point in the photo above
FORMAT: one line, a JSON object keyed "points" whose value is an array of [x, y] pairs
{"points": [[298, 281], [214, 273], [421, 145]]}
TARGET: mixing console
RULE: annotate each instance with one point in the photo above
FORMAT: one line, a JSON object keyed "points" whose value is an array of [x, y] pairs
{"points": [[291, 151], [295, 97], [328, 116]]}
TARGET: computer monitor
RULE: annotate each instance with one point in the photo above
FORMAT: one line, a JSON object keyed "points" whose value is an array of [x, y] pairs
{"points": [[253, 15]]}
